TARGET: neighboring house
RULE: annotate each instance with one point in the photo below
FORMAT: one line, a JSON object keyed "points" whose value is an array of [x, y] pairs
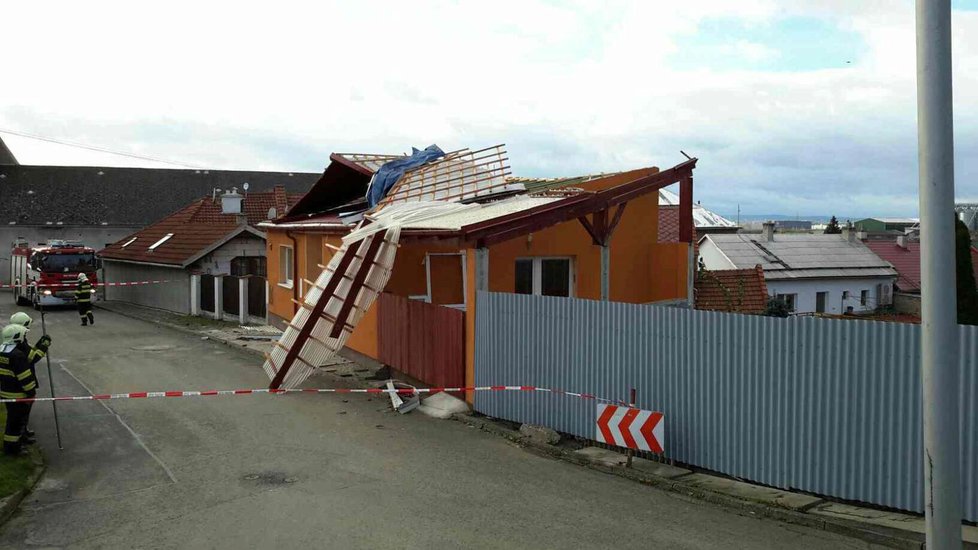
{"points": [[210, 252], [96, 206], [881, 225], [732, 290], [904, 254], [577, 237], [833, 274]]}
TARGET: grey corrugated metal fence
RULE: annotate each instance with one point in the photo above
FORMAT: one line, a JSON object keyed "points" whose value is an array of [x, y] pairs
{"points": [[827, 406]]}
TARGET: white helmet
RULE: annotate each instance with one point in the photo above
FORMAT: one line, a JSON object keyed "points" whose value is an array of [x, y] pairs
{"points": [[14, 334], [21, 318], [82, 277]]}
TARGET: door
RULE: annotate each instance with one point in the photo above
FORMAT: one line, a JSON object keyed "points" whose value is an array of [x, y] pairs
{"points": [[820, 299]]}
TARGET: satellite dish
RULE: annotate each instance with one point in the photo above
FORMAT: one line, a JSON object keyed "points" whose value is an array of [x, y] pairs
{"points": [[245, 186]]}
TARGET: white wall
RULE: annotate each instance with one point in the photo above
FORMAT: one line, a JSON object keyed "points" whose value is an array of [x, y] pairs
{"points": [[219, 261], [806, 289], [713, 259]]}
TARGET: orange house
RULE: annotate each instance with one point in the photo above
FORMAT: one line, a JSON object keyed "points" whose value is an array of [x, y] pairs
{"points": [[593, 237]]}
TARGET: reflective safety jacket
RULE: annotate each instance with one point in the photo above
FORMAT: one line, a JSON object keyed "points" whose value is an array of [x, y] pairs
{"points": [[16, 376], [84, 292], [33, 353]]}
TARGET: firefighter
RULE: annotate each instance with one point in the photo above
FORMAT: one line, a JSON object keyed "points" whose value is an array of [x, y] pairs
{"points": [[16, 381], [34, 354], [83, 297]]}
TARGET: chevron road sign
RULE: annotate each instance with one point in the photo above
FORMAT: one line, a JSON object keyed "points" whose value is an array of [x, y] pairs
{"points": [[630, 427]]}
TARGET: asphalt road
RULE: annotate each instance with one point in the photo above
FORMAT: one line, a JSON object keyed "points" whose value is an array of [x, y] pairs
{"points": [[313, 470]]}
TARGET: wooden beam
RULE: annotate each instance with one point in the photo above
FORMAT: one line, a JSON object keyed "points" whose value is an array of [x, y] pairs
{"points": [[686, 209], [361, 276], [589, 228], [615, 220], [317, 310]]}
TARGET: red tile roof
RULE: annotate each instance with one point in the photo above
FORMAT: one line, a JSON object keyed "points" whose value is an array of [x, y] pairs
{"points": [[668, 224], [905, 260], [736, 290], [196, 228]]}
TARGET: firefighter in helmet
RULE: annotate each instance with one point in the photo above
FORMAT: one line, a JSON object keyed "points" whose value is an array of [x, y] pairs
{"points": [[83, 297], [16, 381], [34, 354]]}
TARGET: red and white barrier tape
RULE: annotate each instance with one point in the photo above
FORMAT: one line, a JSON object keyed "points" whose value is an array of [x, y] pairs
{"points": [[211, 393], [75, 285]]}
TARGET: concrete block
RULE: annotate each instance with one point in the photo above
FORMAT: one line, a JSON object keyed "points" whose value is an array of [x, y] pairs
{"points": [[748, 491], [658, 469], [442, 405], [883, 518], [540, 434], [602, 456]]}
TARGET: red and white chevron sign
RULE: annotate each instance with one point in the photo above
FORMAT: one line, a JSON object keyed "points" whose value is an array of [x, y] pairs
{"points": [[631, 427]]}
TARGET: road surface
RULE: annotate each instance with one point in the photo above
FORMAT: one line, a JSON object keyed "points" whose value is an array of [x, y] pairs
{"points": [[331, 471]]}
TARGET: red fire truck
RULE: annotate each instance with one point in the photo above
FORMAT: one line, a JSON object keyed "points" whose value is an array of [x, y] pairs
{"points": [[50, 267]]}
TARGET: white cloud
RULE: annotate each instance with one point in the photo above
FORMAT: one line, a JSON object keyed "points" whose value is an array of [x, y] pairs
{"points": [[577, 86]]}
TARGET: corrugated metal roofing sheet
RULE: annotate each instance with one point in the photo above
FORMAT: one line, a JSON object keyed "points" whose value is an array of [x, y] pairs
{"points": [[802, 255], [474, 213]]}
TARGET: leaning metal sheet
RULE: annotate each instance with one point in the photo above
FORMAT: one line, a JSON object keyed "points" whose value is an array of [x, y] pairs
{"points": [[320, 346]]}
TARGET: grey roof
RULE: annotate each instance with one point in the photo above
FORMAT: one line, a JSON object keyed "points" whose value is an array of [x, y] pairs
{"points": [[802, 256], [86, 195]]}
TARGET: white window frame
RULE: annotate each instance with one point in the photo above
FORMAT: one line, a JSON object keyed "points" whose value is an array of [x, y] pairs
{"points": [[290, 281], [793, 306], [427, 273], [538, 273], [156, 245], [864, 297]]}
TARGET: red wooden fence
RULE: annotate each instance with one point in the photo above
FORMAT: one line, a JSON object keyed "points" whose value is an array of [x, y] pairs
{"points": [[424, 341]]}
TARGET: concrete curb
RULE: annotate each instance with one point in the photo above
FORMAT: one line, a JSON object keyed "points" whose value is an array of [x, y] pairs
{"points": [[9, 504], [872, 534]]}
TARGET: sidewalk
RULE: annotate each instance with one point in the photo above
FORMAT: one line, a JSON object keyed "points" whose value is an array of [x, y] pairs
{"points": [[875, 526], [258, 340]]}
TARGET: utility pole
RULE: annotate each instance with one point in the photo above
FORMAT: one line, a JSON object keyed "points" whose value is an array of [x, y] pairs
{"points": [[939, 334]]}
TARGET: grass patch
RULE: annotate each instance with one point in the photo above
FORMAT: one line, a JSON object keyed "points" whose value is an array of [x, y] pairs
{"points": [[15, 472]]}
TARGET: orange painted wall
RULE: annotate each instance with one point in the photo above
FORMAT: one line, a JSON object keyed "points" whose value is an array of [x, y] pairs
{"points": [[636, 257], [407, 279]]}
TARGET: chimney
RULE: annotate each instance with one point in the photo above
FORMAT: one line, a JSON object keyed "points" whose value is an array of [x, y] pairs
{"points": [[901, 241], [231, 202], [769, 231], [849, 233]]}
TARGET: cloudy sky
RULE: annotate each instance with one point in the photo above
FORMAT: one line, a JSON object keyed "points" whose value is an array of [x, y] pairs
{"points": [[793, 106]]}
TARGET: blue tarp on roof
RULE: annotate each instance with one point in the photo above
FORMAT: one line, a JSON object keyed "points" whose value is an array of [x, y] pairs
{"points": [[390, 172]]}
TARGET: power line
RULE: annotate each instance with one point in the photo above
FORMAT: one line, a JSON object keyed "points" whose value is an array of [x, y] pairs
{"points": [[95, 148]]}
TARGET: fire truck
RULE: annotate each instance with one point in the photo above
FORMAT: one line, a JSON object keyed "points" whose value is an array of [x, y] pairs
{"points": [[46, 275]]}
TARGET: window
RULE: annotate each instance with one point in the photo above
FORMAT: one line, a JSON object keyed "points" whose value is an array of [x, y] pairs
{"points": [[788, 299], [820, 299], [165, 238], [545, 276], [130, 241], [285, 266], [248, 265], [845, 295], [863, 297]]}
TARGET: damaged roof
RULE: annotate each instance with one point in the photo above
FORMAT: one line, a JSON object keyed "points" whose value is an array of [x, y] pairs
{"points": [[85, 195], [197, 229]]}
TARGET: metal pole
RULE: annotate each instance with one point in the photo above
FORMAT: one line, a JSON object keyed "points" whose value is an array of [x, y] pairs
{"points": [[630, 453], [939, 341], [47, 359]]}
